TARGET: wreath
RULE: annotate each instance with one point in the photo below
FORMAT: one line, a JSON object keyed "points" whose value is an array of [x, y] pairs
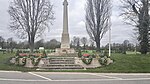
{"points": [[87, 61], [44, 55], [24, 61], [35, 62], [17, 60], [103, 60]]}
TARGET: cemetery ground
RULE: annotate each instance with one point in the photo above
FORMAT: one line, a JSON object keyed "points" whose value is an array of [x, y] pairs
{"points": [[129, 63]]}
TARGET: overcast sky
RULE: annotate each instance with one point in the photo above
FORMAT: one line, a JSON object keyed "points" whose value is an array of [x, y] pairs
{"points": [[120, 31]]}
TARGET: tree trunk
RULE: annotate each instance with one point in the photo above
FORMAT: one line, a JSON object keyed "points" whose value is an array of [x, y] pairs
{"points": [[32, 47], [143, 27], [84, 46], [31, 44], [98, 46]]}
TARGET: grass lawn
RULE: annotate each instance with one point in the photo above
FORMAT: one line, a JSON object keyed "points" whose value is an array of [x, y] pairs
{"points": [[129, 63], [5, 65]]}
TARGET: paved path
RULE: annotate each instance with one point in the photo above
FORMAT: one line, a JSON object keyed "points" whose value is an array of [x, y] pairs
{"points": [[13, 77]]}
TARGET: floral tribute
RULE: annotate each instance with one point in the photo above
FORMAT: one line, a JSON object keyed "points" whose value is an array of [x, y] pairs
{"points": [[35, 57], [87, 59]]}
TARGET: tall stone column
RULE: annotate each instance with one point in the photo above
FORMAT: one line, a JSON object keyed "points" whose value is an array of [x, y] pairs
{"points": [[65, 41]]}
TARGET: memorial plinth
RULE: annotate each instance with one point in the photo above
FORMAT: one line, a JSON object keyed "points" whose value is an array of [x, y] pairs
{"points": [[65, 40]]}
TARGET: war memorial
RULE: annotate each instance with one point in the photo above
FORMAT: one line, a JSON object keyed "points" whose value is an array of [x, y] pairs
{"points": [[64, 57]]}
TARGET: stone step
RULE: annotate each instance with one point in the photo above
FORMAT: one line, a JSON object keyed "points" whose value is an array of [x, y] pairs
{"points": [[62, 66], [62, 61], [61, 58], [64, 55]]}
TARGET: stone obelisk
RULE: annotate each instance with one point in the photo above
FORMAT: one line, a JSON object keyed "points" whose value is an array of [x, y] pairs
{"points": [[65, 41]]}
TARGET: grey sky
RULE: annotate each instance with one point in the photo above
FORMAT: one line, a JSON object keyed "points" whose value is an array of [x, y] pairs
{"points": [[120, 31]]}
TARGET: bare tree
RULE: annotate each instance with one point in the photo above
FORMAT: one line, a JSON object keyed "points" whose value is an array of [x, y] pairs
{"points": [[98, 13], [134, 39], [54, 44], [125, 46], [76, 42], [136, 13], [91, 44], [2, 41], [11, 44], [30, 18], [39, 44], [84, 41], [129, 11]]}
